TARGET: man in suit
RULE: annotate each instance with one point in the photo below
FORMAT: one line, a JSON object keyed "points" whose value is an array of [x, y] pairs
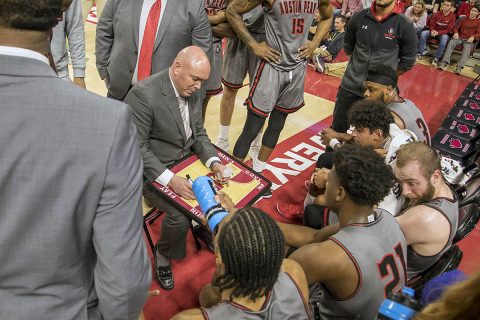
{"points": [[136, 39], [70, 220], [167, 109]]}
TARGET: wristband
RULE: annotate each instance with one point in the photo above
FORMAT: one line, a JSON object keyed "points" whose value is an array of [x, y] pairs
{"points": [[333, 143]]}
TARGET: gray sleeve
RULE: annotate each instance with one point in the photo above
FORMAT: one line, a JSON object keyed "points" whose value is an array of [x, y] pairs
{"points": [[202, 32], [122, 271], [203, 146], [143, 118], [104, 37], [74, 28]]}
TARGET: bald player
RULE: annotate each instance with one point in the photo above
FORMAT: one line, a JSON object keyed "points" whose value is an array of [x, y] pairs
{"points": [[277, 89], [167, 111], [431, 218], [354, 264], [382, 85]]}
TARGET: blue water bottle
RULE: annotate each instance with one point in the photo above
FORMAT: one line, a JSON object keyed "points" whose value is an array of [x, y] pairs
{"points": [[399, 306], [204, 190]]}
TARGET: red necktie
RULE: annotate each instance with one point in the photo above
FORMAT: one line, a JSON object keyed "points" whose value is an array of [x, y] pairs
{"points": [[146, 51]]}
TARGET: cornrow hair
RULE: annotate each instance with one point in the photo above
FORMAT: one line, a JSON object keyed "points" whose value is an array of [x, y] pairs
{"points": [[252, 248]]}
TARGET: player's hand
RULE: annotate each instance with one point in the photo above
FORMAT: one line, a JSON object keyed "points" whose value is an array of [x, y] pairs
{"points": [[221, 175], [79, 82], [306, 51], [263, 51], [455, 35], [182, 187], [381, 151], [470, 40], [319, 177], [225, 201], [328, 134]]}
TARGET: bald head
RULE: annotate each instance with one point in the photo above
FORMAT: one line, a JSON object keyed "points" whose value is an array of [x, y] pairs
{"points": [[189, 70]]}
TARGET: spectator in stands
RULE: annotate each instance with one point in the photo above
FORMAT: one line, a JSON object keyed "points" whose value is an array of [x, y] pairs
{"points": [[70, 27], [252, 280], [313, 27], [337, 7], [418, 14], [459, 301], [430, 220], [330, 45], [464, 9], [430, 5], [466, 34], [381, 85], [346, 262], [441, 24], [349, 7]]}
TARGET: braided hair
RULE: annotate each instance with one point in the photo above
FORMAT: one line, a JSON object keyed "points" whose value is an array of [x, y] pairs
{"points": [[252, 247]]}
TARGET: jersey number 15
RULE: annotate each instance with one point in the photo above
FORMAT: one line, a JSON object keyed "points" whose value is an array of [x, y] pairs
{"points": [[297, 26]]}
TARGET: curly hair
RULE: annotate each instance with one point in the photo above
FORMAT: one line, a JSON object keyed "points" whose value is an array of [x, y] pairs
{"points": [[38, 15], [371, 115], [251, 246], [363, 173]]}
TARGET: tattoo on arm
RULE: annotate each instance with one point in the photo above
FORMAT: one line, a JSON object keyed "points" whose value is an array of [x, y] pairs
{"points": [[234, 16]]}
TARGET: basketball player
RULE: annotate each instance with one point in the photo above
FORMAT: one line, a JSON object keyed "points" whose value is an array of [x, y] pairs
{"points": [[431, 220], [220, 28], [238, 60], [254, 281], [381, 85], [277, 89], [358, 262]]}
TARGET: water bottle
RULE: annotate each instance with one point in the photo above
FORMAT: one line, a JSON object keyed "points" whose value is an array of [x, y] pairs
{"points": [[399, 306], [204, 190]]}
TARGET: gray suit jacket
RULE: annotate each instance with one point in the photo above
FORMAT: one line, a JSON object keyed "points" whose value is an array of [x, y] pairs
{"points": [[183, 23], [160, 126], [71, 241]]}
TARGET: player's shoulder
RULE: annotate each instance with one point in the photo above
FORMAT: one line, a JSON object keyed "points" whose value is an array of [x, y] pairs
{"points": [[191, 314]]}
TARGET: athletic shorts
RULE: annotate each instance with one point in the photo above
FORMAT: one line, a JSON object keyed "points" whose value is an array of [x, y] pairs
{"points": [[272, 88], [214, 82], [238, 60]]}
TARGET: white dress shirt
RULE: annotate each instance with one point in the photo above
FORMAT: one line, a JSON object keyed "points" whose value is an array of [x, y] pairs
{"points": [[147, 5], [20, 52]]}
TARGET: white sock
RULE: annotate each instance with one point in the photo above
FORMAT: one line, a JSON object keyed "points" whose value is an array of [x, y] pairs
{"points": [[309, 199], [224, 132], [258, 140], [258, 165]]}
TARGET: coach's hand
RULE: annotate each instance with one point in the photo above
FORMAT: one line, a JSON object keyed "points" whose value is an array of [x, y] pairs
{"points": [[306, 51], [182, 187], [220, 173], [263, 51]]}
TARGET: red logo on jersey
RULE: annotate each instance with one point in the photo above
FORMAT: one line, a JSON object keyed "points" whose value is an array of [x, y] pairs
{"points": [[463, 128], [474, 105], [455, 144], [469, 116], [390, 34]]}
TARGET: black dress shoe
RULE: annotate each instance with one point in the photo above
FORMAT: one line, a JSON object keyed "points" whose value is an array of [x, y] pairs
{"points": [[164, 274], [205, 236]]}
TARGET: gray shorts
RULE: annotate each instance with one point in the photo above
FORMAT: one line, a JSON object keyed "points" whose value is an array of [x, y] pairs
{"points": [[238, 61], [272, 88], [214, 82]]}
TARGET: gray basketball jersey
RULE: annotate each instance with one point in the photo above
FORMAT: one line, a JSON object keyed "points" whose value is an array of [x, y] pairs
{"points": [[412, 118], [449, 209], [212, 7], [378, 250], [254, 20], [284, 302], [286, 27]]}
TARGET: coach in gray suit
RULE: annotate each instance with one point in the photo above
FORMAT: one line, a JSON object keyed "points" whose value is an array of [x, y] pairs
{"points": [[120, 32], [71, 243], [168, 113]]}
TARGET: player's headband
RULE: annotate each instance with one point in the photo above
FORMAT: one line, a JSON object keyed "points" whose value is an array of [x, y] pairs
{"points": [[381, 79]]}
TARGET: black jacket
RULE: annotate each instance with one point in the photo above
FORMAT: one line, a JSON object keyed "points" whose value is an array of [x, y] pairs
{"points": [[391, 41]]}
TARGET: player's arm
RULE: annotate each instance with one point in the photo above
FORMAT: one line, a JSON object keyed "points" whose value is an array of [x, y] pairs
{"points": [[223, 30], [325, 9], [295, 271], [191, 314], [234, 16], [319, 261], [298, 236]]}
